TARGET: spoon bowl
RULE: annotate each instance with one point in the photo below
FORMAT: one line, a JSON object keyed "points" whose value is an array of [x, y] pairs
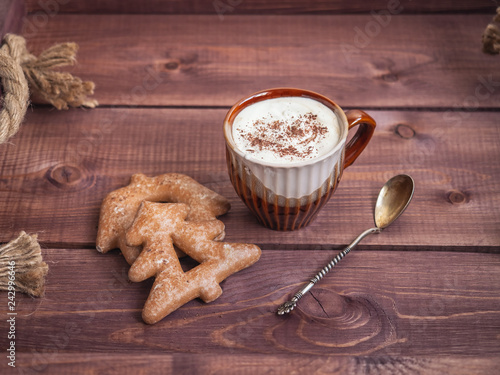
{"points": [[393, 199]]}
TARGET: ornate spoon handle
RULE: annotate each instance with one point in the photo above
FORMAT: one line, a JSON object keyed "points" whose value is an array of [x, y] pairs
{"points": [[288, 306]]}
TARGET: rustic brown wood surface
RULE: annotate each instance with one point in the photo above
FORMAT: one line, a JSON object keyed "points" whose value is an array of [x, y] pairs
{"points": [[203, 61], [61, 165], [12, 13], [382, 303], [421, 297], [183, 364], [227, 7]]}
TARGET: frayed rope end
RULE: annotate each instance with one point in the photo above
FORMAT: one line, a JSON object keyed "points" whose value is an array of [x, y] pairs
{"points": [[21, 264]]}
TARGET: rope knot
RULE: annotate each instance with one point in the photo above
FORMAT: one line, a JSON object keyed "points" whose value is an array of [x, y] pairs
{"points": [[20, 72]]}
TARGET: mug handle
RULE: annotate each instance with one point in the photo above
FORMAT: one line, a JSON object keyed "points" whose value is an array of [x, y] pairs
{"points": [[358, 142]]}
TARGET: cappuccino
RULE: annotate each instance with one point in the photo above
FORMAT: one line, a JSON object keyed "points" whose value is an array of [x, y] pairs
{"points": [[286, 150], [286, 130]]}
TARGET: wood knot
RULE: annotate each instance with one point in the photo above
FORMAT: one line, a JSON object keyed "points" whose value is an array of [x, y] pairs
{"points": [[456, 197], [326, 321], [390, 77], [65, 176], [172, 65], [334, 310], [177, 64], [404, 131]]}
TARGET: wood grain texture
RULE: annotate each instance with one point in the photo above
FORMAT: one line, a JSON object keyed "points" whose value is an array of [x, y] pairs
{"points": [[254, 6], [12, 13], [56, 171], [373, 304], [188, 364], [193, 60]]}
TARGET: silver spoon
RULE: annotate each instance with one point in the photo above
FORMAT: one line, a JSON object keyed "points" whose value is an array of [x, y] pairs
{"points": [[392, 200]]}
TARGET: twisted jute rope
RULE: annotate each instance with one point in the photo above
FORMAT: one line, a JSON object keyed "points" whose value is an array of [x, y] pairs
{"points": [[491, 36], [21, 266], [22, 72]]}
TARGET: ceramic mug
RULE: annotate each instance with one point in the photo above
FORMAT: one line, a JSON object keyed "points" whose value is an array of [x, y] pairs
{"points": [[288, 196]]}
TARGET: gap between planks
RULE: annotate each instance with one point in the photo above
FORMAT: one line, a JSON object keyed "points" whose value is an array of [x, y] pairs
{"points": [[313, 247], [209, 107]]}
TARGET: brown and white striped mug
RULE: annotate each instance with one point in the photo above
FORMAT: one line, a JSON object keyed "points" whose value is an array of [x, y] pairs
{"points": [[271, 156]]}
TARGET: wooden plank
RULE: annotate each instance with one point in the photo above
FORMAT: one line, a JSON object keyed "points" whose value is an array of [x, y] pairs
{"points": [[255, 6], [187, 364], [356, 60], [56, 171], [373, 304], [12, 13]]}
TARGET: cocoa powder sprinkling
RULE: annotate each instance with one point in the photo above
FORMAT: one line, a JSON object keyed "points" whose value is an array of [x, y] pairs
{"points": [[275, 135]]}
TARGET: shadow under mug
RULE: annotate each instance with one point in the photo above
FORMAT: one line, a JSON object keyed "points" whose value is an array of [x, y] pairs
{"points": [[288, 196]]}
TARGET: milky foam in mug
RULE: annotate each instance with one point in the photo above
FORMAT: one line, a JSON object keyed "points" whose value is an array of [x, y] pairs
{"points": [[286, 130]]}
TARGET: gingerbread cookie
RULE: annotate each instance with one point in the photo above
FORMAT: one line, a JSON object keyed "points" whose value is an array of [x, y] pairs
{"points": [[120, 207], [160, 226]]}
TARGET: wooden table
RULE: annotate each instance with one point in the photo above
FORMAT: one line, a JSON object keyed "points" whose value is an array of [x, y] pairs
{"points": [[423, 297]]}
